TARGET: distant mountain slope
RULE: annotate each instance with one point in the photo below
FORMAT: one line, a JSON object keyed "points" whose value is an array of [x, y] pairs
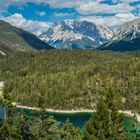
{"points": [[76, 34], [14, 39], [127, 38]]}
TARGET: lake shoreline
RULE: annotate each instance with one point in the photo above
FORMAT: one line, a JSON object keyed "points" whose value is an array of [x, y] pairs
{"points": [[127, 112], [57, 111]]}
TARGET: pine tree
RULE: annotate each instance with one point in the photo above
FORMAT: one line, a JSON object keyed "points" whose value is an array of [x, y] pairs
{"points": [[7, 129], [68, 132], [26, 125], [98, 126], [113, 102], [106, 122], [48, 127]]}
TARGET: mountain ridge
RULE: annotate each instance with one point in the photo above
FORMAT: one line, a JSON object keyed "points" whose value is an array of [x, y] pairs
{"points": [[13, 39], [126, 38]]}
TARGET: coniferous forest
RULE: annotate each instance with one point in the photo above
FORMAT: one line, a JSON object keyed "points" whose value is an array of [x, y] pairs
{"points": [[72, 79], [105, 124], [104, 81]]}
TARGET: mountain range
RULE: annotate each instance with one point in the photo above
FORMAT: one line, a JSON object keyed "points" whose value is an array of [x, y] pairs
{"points": [[71, 34], [76, 34], [13, 39]]}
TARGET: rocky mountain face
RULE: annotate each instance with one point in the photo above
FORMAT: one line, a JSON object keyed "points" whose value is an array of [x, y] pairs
{"points": [[14, 39], [126, 38], [76, 34], [132, 27]]}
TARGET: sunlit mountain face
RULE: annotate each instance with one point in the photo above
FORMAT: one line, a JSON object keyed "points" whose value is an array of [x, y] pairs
{"points": [[76, 34]]}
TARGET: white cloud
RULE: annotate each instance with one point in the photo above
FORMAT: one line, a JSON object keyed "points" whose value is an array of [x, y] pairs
{"points": [[41, 13], [98, 8], [112, 21], [82, 6], [19, 21], [4, 4], [62, 14], [62, 3], [86, 8], [130, 1]]}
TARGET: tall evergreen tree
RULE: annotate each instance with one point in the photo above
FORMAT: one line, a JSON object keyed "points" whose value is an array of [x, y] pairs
{"points": [[68, 132], [106, 123], [48, 127], [98, 126], [113, 102], [7, 129], [27, 127]]}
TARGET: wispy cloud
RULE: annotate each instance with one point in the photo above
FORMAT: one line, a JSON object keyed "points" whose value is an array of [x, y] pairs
{"points": [[112, 21], [41, 13], [63, 14]]}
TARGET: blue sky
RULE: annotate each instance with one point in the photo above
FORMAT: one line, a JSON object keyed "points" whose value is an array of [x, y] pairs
{"points": [[43, 12], [38, 15]]}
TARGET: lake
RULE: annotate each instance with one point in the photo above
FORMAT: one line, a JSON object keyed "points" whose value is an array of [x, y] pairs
{"points": [[77, 119], [80, 119]]}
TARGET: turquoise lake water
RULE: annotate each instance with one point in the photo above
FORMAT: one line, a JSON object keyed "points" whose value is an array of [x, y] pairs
{"points": [[80, 119], [77, 119]]}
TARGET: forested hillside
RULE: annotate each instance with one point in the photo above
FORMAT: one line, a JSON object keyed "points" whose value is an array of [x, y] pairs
{"points": [[72, 79], [13, 39]]}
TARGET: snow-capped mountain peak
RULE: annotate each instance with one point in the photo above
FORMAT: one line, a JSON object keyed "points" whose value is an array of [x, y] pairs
{"points": [[126, 38], [132, 27], [76, 34]]}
